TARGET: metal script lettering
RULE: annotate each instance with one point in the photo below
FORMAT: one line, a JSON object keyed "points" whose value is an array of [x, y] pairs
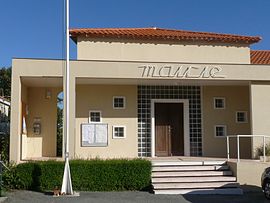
{"points": [[182, 71]]}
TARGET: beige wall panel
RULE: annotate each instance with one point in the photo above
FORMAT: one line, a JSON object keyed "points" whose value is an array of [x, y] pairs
{"points": [[38, 67], [24, 147], [248, 173], [45, 109], [260, 100], [100, 97], [237, 99], [34, 147], [123, 50]]}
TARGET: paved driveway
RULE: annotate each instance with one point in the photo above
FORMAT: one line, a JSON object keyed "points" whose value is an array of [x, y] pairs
{"points": [[128, 197]]}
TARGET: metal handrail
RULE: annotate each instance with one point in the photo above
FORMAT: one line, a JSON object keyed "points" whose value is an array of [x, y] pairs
{"points": [[238, 144]]}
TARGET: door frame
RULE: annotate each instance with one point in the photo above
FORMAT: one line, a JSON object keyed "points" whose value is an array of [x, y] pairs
{"points": [[185, 103]]}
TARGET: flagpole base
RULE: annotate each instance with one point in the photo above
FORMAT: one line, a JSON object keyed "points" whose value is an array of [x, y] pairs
{"points": [[75, 194], [66, 188]]}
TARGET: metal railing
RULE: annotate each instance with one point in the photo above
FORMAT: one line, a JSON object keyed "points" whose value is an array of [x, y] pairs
{"points": [[238, 144]]}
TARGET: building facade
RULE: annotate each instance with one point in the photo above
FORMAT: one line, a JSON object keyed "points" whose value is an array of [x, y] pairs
{"points": [[4, 116], [144, 92]]}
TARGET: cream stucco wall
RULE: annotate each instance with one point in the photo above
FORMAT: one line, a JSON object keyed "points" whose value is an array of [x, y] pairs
{"points": [[158, 51], [260, 100], [100, 97], [236, 99]]}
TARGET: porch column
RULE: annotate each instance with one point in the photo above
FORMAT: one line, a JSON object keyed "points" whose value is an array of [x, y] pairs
{"points": [[72, 100], [259, 113], [16, 114]]}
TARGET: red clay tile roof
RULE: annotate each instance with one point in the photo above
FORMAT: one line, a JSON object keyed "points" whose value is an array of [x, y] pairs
{"points": [[161, 34], [260, 57]]}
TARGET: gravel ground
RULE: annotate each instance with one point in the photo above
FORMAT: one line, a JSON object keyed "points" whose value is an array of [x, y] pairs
{"points": [[128, 197]]}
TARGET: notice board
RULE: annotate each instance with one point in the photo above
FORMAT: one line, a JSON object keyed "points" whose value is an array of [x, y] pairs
{"points": [[94, 134]]}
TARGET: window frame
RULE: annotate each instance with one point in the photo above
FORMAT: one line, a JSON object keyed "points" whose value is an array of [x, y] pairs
{"points": [[119, 126], [225, 130], [94, 111], [124, 102], [246, 117], [224, 102]]}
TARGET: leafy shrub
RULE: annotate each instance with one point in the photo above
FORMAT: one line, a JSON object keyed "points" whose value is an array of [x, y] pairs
{"points": [[87, 175], [259, 150], [9, 177], [4, 147]]}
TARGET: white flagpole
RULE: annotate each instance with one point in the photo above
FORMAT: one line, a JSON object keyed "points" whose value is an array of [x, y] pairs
{"points": [[67, 184]]}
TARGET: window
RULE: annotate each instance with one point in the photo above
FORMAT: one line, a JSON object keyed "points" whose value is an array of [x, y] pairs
{"points": [[241, 117], [219, 103], [119, 131], [94, 116], [119, 102], [220, 130]]}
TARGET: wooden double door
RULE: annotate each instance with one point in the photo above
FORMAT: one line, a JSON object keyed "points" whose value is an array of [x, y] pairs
{"points": [[169, 129]]}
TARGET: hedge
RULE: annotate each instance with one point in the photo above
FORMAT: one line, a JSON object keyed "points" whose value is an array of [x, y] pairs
{"points": [[87, 175]]}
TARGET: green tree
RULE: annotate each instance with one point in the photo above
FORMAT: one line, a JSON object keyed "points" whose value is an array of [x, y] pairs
{"points": [[59, 125], [5, 81], [5, 89]]}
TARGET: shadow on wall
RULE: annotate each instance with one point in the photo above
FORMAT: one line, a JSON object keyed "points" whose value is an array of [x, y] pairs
{"points": [[36, 173]]}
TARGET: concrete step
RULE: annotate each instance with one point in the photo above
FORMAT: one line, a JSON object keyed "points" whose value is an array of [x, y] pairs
{"points": [[194, 179], [212, 163], [213, 191], [195, 185], [190, 168], [191, 173], [187, 163]]}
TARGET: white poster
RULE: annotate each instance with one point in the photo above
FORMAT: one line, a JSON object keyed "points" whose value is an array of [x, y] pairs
{"points": [[101, 133], [88, 133]]}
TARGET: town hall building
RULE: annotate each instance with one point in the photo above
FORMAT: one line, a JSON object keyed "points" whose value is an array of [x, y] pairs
{"points": [[144, 92]]}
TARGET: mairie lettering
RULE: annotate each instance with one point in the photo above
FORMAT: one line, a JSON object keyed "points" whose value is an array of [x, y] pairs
{"points": [[182, 71]]}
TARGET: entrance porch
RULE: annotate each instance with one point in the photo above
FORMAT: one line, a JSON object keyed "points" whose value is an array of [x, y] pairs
{"points": [[41, 118]]}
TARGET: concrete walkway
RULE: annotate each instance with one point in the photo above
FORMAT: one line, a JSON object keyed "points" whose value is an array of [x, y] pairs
{"points": [[131, 197]]}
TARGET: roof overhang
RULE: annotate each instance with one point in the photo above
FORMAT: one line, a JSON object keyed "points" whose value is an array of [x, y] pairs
{"points": [[161, 35]]}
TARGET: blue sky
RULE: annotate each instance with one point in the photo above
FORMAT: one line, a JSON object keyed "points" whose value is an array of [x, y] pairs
{"points": [[34, 28]]}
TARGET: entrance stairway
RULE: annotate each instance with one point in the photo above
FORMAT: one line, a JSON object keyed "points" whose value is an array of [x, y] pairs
{"points": [[193, 177]]}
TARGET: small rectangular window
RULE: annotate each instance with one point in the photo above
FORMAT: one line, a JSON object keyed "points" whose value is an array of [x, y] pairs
{"points": [[241, 117], [219, 103], [94, 116], [119, 102], [220, 130], [119, 131]]}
